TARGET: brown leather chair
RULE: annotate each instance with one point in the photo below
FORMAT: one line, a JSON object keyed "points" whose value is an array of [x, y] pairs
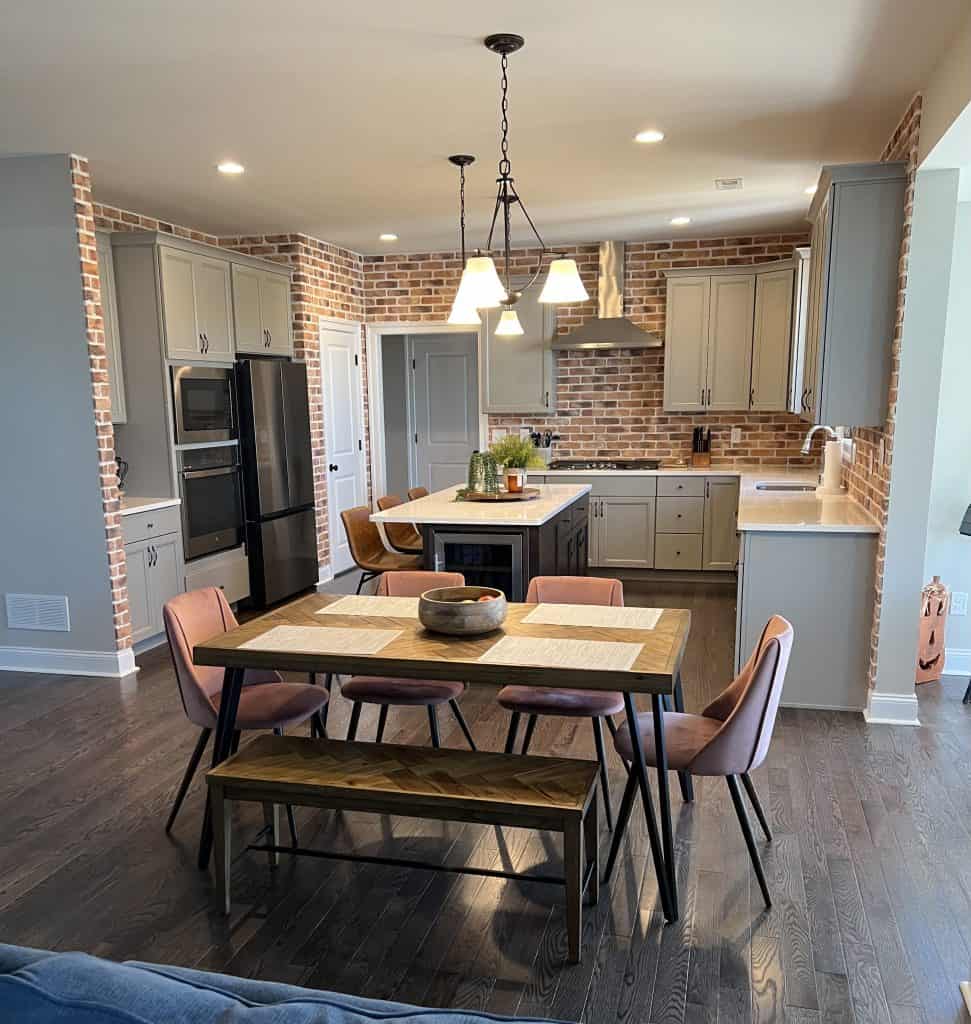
{"points": [[540, 700], [414, 493], [730, 737], [403, 537], [389, 692], [266, 702], [368, 551]]}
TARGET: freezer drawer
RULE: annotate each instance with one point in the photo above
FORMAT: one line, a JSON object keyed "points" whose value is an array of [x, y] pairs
{"points": [[282, 556]]}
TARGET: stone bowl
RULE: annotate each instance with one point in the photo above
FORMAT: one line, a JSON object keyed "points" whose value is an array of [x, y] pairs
{"points": [[458, 611]]}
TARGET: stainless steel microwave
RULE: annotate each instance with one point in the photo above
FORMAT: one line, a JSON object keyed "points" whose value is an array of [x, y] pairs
{"points": [[204, 404]]}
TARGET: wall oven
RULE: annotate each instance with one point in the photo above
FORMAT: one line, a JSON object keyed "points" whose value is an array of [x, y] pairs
{"points": [[204, 404], [212, 508]]}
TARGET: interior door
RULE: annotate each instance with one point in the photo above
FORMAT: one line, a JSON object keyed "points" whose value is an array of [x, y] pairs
{"points": [[343, 433], [445, 406], [730, 341]]}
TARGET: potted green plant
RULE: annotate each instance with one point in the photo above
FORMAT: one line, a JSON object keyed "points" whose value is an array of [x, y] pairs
{"points": [[516, 454]]}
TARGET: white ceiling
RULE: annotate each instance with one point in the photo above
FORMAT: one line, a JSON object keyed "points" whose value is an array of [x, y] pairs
{"points": [[344, 113]]}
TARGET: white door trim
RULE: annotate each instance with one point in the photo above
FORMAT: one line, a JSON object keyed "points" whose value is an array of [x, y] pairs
{"points": [[373, 335]]}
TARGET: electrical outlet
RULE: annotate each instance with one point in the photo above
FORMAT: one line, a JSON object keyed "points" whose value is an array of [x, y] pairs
{"points": [[959, 603], [524, 433], [736, 435]]}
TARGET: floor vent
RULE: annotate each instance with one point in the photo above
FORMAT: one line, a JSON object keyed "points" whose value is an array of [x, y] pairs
{"points": [[727, 184], [38, 611]]}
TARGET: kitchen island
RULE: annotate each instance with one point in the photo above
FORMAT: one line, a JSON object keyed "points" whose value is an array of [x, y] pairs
{"points": [[501, 544]]}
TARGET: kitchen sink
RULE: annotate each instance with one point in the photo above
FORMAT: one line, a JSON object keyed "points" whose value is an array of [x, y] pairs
{"points": [[784, 487]]}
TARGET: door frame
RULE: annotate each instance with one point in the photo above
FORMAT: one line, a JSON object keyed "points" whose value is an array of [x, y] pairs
{"points": [[352, 328], [375, 387]]}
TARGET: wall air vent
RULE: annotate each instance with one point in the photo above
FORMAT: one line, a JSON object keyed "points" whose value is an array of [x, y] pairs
{"points": [[38, 611], [727, 184]]}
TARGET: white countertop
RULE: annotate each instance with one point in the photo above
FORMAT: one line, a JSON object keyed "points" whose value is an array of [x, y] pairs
{"points": [[441, 508], [130, 504], [663, 471]]}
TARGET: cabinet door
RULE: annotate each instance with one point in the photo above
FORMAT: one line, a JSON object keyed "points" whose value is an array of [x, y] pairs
{"points": [[213, 305], [816, 318], [686, 343], [275, 306], [247, 318], [580, 553], [770, 346], [519, 370], [137, 560], [183, 333], [626, 532], [720, 541], [800, 315], [165, 574], [730, 341], [109, 315]]}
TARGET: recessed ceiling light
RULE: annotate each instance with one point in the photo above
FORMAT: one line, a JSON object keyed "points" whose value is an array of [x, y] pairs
{"points": [[810, 190], [680, 222], [649, 135], [388, 236], [230, 167]]}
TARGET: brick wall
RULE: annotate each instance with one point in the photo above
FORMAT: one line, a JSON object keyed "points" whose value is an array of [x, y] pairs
{"points": [[101, 397], [608, 404], [868, 474]]}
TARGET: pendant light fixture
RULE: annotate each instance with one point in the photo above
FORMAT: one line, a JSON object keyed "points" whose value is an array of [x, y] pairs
{"points": [[464, 312], [481, 281]]}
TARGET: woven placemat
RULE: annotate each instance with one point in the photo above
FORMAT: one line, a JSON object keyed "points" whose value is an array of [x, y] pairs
{"points": [[594, 615], [321, 640], [553, 652], [369, 604]]}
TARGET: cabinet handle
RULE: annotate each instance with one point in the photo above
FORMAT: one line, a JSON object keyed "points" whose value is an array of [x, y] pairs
{"points": [[709, 397], [751, 396], [547, 400], [679, 515], [702, 401], [202, 342], [150, 526], [269, 337]]}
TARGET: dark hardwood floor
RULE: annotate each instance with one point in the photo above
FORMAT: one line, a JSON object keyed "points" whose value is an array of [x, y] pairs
{"points": [[870, 866]]}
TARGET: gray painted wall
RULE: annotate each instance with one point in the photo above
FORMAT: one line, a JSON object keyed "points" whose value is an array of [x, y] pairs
{"points": [[395, 381], [948, 553], [52, 530]]}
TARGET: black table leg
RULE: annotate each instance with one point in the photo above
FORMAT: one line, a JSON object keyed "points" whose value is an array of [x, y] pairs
{"points": [[221, 747], [684, 778], [664, 800], [639, 769]]}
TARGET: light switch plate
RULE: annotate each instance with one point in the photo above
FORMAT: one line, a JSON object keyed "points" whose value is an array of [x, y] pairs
{"points": [[959, 603], [736, 435]]}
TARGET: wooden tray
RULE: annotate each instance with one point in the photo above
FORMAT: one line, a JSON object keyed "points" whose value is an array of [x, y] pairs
{"points": [[526, 494]]}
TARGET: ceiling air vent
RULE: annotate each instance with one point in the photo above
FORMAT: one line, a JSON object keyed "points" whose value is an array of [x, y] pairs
{"points": [[38, 611], [727, 184]]}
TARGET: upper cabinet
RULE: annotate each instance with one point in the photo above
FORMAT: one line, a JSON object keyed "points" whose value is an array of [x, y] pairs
{"points": [[109, 314], [727, 338], [196, 301], [520, 370], [857, 223], [261, 311]]}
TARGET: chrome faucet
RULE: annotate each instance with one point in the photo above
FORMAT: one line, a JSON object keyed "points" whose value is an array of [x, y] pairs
{"points": [[807, 443]]}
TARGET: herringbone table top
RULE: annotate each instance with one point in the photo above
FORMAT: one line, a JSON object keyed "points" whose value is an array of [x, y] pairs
{"points": [[466, 777], [416, 653]]}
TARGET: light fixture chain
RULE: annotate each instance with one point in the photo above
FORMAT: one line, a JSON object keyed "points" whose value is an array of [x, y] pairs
{"points": [[462, 208], [504, 165]]}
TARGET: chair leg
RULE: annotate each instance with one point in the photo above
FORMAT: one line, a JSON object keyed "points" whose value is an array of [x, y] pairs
{"points": [[433, 726], [382, 722], [732, 781], [235, 744], [463, 725], [190, 770], [598, 739], [513, 730], [293, 827], [528, 738], [684, 778], [317, 728], [360, 582], [754, 797], [626, 806], [355, 718], [328, 681]]}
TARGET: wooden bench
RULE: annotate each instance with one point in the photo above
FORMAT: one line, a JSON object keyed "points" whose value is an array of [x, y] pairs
{"points": [[553, 793]]}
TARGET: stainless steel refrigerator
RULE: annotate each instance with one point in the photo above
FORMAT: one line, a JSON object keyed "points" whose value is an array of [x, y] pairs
{"points": [[278, 479]]}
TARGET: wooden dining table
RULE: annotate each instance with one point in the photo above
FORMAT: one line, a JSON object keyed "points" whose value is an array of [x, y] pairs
{"points": [[306, 636]]}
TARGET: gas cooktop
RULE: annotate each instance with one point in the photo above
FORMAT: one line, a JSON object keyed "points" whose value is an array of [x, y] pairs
{"points": [[580, 464]]}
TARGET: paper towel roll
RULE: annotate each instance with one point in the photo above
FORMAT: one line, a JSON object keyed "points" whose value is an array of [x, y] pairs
{"points": [[832, 469]]}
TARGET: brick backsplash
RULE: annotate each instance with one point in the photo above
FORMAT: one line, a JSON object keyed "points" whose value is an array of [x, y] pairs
{"points": [[608, 404]]}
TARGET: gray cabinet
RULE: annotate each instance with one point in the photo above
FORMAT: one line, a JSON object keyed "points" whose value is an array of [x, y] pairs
{"points": [[857, 224], [261, 311], [771, 341], [686, 343], [196, 303], [720, 534], [730, 342], [109, 317], [624, 530], [519, 372], [153, 556]]}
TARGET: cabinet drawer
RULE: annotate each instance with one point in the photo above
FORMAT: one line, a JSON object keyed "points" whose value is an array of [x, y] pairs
{"points": [[681, 486], [680, 515], [624, 485], [142, 525], [677, 551], [229, 570]]}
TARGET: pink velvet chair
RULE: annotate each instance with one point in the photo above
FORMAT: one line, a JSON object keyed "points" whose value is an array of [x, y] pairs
{"points": [[730, 737], [389, 692], [266, 701], [596, 705]]}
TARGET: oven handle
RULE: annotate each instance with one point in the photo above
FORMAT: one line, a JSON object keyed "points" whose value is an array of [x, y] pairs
{"points": [[195, 474]]}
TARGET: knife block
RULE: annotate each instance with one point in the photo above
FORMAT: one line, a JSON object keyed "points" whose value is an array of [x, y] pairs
{"points": [[701, 460]]}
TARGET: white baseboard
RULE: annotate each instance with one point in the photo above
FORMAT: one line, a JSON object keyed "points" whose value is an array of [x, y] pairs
{"points": [[891, 709], [957, 662], [114, 664], [325, 575]]}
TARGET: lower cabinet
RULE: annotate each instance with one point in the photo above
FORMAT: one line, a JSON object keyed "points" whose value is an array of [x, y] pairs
{"points": [[720, 545], [154, 577], [624, 532]]}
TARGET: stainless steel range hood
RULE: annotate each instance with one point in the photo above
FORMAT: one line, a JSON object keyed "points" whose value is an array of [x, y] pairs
{"points": [[610, 328]]}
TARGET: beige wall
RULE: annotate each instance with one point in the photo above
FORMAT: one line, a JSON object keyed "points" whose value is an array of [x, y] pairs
{"points": [[948, 90]]}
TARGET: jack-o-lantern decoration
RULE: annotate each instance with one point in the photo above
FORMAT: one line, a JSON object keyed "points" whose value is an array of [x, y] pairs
{"points": [[935, 600]]}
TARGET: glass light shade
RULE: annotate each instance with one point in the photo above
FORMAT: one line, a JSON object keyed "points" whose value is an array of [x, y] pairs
{"points": [[480, 286], [463, 315], [509, 325], [563, 283]]}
